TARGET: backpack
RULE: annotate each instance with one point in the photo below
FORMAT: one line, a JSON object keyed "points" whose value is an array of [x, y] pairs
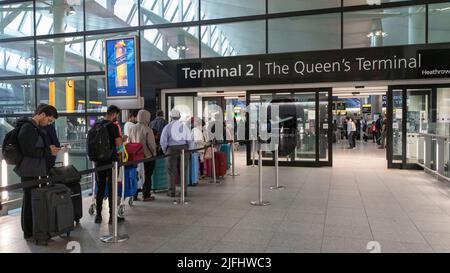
{"points": [[11, 149], [98, 143]]}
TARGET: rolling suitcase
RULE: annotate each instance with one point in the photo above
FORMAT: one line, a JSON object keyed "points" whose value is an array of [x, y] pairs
{"points": [[221, 164], [194, 172], [77, 201], [71, 178], [52, 211], [160, 176], [226, 148], [130, 182]]}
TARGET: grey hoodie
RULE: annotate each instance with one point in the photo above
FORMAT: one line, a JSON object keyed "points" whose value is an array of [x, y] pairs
{"points": [[142, 133]]}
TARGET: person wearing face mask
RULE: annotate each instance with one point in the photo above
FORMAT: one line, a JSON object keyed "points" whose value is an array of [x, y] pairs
{"points": [[105, 177], [35, 150]]}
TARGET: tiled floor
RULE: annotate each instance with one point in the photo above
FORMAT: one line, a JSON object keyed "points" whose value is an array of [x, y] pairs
{"points": [[338, 209]]}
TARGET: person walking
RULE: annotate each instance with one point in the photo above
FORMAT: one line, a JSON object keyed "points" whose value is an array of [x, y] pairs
{"points": [[349, 133]]}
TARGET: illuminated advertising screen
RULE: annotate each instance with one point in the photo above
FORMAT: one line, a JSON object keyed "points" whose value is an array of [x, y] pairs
{"points": [[121, 67]]}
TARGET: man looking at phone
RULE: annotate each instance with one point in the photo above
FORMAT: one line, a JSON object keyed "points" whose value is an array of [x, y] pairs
{"points": [[51, 139], [36, 151]]}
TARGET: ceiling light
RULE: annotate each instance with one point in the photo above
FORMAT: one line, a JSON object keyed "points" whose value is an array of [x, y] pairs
{"points": [[377, 33]]}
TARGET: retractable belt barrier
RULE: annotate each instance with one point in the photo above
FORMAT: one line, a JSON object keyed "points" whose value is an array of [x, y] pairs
{"points": [[53, 179]]}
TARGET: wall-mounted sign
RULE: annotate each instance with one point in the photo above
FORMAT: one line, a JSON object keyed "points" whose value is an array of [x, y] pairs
{"points": [[344, 65], [367, 109], [122, 68]]}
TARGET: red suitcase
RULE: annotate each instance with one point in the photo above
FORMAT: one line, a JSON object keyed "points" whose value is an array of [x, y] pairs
{"points": [[221, 165]]}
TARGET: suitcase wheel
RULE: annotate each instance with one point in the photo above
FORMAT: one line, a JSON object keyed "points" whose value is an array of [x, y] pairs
{"points": [[77, 221], [130, 201], [92, 209], [121, 211]]}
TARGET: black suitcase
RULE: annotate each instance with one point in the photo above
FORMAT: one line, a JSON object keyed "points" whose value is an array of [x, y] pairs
{"points": [[52, 211], [71, 178], [77, 201]]}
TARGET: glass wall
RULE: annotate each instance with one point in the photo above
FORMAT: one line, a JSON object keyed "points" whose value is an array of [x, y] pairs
{"points": [[154, 12], [169, 44], [443, 111], [243, 38], [17, 58], [439, 24], [16, 20], [107, 14], [66, 94], [294, 33], [276, 6], [384, 27], [17, 97], [368, 2], [60, 55], [54, 16], [215, 9]]}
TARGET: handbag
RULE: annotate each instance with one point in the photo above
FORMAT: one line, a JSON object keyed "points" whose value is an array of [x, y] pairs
{"points": [[69, 174], [208, 152]]}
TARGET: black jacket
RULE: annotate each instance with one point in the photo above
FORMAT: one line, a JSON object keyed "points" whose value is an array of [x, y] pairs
{"points": [[51, 139], [28, 137], [35, 149]]}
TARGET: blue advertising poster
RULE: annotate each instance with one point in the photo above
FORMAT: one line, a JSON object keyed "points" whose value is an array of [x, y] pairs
{"points": [[121, 67], [352, 103]]}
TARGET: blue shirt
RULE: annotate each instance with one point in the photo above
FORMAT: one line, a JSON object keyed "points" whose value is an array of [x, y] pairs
{"points": [[176, 133], [158, 124]]}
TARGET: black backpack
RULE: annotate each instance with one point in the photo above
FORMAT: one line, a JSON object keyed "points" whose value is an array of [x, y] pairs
{"points": [[98, 143], [11, 149]]}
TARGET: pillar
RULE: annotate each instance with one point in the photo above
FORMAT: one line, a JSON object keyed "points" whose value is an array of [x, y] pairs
{"points": [[377, 104], [59, 57], [376, 39]]}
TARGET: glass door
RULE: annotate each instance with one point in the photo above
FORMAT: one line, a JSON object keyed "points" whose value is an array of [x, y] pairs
{"points": [[395, 128], [304, 127], [411, 111], [186, 103], [418, 121]]}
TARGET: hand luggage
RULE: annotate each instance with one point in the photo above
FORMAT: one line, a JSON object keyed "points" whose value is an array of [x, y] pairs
{"points": [[194, 173], [70, 177], [221, 164], [135, 151], [220, 159], [52, 211], [130, 187], [160, 177], [77, 200], [226, 148]]}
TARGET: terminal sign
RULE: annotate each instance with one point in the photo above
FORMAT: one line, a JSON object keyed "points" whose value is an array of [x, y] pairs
{"points": [[387, 63]]}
